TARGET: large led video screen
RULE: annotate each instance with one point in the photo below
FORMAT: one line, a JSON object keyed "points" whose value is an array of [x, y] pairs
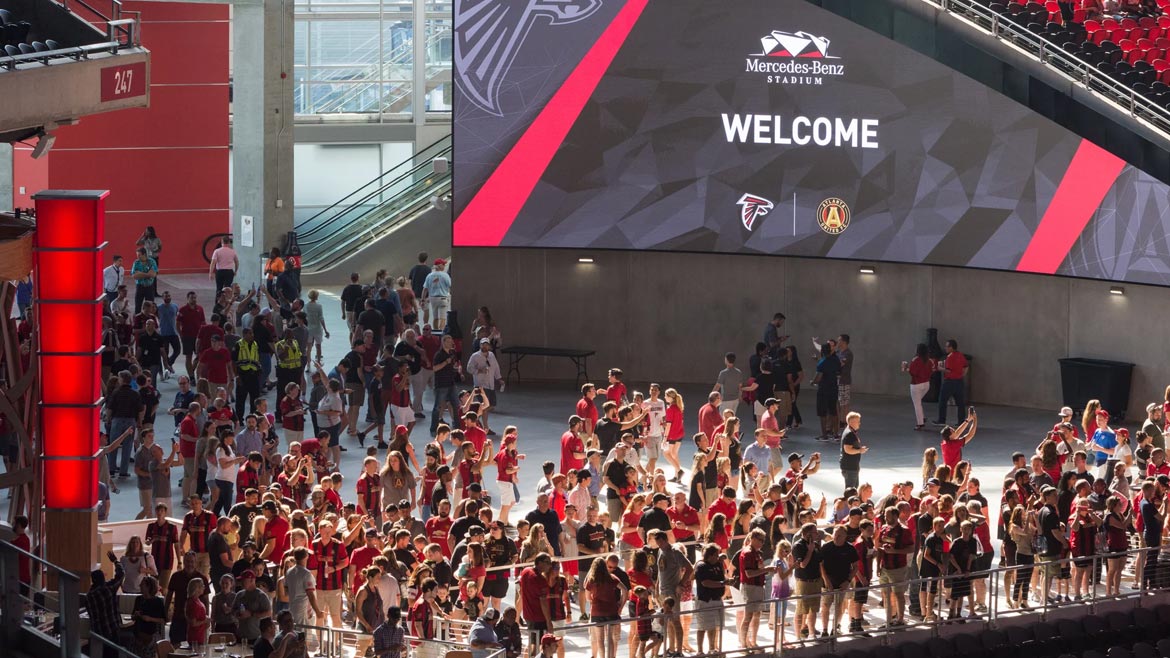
{"points": [[771, 127]]}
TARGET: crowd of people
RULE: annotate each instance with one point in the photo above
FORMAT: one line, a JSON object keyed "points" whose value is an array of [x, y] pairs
{"points": [[419, 545]]}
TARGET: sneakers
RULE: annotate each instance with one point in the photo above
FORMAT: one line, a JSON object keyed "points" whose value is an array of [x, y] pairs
{"points": [[418, 415], [583, 617], [361, 439]]}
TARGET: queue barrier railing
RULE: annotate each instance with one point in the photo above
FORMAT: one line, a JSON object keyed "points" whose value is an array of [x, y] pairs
{"points": [[780, 635]]}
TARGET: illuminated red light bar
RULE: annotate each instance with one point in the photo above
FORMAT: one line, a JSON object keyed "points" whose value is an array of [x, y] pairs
{"points": [[74, 431], [70, 327], [67, 288], [74, 483], [70, 379], [67, 255]]}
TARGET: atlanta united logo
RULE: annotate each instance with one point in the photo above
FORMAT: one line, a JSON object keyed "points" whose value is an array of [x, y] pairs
{"points": [[751, 208], [833, 216]]}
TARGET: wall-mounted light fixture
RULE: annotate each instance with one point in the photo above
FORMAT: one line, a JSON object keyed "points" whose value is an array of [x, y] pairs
{"points": [[584, 259], [867, 269], [1116, 290]]}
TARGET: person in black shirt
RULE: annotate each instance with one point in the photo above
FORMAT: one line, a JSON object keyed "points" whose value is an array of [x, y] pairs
{"points": [[590, 540], [440, 491], [447, 372], [852, 450], [806, 557], [964, 551], [654, 517], [935, 562], [152, 347], [710, 584], [838, 569], [547, 517], [614, 477], [351, 296], [372, 320], [1054, 539]]}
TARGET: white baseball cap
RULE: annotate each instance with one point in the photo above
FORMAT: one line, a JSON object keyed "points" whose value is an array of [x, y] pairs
{"points": [[1066, 411]]}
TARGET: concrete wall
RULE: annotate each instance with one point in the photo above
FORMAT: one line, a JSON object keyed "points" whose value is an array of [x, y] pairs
{"points": [[671, 317]]}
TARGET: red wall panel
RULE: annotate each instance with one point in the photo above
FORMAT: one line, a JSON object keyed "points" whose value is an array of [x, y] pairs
{"points": [[147, 179], [183, 233], [32, 175], [193, 53], [166, 165], [202, 110]]}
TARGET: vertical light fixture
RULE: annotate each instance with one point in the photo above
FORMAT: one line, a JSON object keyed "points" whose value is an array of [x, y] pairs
{"points": [[70, 237]]}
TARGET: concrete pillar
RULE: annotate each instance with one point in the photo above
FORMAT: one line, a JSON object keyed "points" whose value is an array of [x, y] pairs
{"points": [[5, 177], [262, 130], [419, 97]]}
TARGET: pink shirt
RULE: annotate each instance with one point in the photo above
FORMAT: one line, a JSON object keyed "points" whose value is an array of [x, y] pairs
{"points": [[224, 258], [768, 421]]}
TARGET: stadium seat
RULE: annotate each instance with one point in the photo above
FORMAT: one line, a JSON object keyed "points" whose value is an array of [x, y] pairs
{"points": [[53, 45], [1054, 15], [1144, 650], [1160, 65], [1134, 56], [1164, 21], [1147, 22], [5, 17], [1110, 23], [1145, 617], [39, 46], [1129, 23], [969, 646], [916, 650], [1018, 635], [1079, 16], [11, 50], [939, 648], [993, 639], [25, 49]]}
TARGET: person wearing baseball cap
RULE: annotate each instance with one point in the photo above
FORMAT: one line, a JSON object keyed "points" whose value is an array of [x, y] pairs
{"points": [[486, 377], [1153, 425], [548, 646], [482, 635], [1103, 442], [437, 293], [773, 434]]}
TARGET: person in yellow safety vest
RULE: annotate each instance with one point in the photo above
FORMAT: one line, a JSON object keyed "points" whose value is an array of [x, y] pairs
{"points": [[288, 364], [247, 372]]}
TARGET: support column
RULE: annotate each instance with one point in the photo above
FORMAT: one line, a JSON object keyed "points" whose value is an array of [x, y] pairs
{"points": [[419, 95], [262, 131]]}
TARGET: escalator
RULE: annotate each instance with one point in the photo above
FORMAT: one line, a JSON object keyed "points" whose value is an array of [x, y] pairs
{"points": [[382, 224]]}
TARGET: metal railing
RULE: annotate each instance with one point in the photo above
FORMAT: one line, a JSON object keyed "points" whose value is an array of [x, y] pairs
{"points": [[31, 615], [331, 642], [1011, 30]]}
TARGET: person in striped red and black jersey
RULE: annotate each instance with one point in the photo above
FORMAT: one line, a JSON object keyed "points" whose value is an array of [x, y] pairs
{"points": [[369, 488], [163, 539], [198, 524], [329, 561]]}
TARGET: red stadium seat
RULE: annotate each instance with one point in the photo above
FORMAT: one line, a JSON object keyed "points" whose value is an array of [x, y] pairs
{"points": [[1144, 44], [1129, 23], [1134, 56], [1110, 23], [1162, 42], [1117, 35], [1164, 21], [1147, 22], [1154, 54], [1164, 76], [1079, 15], [1155, 33], [1092, 26], [1161, 65], [1127, 45]]}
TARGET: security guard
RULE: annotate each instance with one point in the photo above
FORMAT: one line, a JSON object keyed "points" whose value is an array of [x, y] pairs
{"points": [[288, 364], [247, 372]]}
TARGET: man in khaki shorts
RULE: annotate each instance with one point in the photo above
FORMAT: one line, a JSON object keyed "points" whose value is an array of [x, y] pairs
{"points": [[806, 555]]}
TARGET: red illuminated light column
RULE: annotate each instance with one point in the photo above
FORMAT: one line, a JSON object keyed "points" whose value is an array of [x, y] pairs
{"points": [[70, 236]]}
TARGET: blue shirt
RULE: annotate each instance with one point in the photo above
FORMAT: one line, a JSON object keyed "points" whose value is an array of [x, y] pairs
{"points": [[182, 401], [166, 319], [1105, 439], [594, 480], [757, 454], [438, 284], [24, 291]]}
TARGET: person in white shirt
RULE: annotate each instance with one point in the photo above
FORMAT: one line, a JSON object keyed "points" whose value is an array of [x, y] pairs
{"points": [[113, 276], [655, 410], [121, 303], [485, 374]]}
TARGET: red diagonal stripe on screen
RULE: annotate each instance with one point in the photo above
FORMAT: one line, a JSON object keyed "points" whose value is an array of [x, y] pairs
{"points": [[491, 212], [1089, 176]]}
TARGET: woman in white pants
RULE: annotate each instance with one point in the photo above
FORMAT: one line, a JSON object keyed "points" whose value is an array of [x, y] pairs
{"points": [[919, 369]]}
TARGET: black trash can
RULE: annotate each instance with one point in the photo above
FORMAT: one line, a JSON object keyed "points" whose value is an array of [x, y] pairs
{"points": [[1088, 379]]}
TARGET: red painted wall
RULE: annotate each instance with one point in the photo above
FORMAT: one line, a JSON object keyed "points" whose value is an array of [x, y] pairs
{"points": [[31, 175], [166, 165]]}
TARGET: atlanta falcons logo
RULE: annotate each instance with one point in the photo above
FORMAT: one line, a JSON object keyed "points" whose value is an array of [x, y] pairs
{"points": [[489, 33], [751, 208]]}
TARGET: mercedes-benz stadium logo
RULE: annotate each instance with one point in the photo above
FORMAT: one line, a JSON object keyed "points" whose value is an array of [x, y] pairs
{"points": [[795, 58], [795, 44]]}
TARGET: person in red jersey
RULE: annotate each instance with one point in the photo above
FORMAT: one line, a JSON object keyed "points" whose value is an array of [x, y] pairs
{"points": [[587, 410], [329, 560], [198, 524], [369, 488]]}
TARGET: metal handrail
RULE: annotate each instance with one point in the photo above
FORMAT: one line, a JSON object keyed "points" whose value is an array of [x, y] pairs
{"points": [[1011, 31], [13, 601], [995, 586], [439, 148]]}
